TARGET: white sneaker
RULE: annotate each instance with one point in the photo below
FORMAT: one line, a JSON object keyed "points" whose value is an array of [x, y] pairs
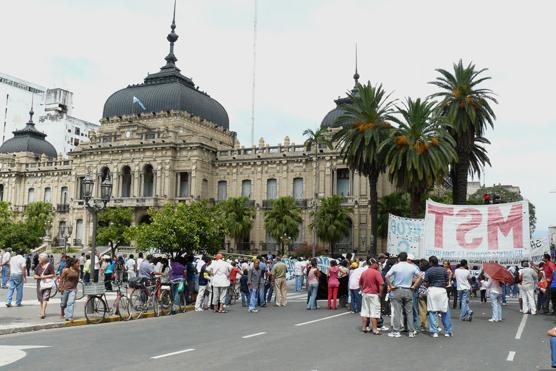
{"points": [[199, 310], [394, 334], [368, 328], [448, 335], [384, 328], [411, 334], [435, 335], [491, 320]]}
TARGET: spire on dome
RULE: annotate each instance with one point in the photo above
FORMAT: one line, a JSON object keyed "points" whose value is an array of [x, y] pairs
{"points": [[356, 75], [30, 123], [172, 38]]}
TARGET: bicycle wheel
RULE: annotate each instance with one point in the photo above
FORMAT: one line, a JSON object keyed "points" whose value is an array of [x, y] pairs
{"points": [[80, 291], [138, 301], [95, 309], [155, 305], [54, 290], [124, 309], [165, 299]]}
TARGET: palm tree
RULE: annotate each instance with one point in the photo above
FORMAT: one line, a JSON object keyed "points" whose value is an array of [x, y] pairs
{"points": [[419, 151], [364, 125], [331, 221], [467, 107], [238, 218], [316, 139], [283, 219]]}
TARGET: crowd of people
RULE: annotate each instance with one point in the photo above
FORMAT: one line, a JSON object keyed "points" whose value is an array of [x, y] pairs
{"points": [[414, 293]]}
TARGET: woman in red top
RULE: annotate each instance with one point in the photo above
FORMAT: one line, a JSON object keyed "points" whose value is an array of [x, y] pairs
{"points": [[333, 284]]}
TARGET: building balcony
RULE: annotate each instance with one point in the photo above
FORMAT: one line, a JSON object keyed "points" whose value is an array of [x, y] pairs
{"points": [[250, 203], [136, 202], [302, 203], [267, 204], [62, 208]]}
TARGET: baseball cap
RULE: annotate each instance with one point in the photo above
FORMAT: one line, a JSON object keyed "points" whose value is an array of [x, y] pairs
{"points": [[354, 265], [410, 257]]}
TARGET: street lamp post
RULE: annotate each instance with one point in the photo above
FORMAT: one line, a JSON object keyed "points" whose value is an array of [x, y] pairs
{"points": [[94, 206], [285, 242]]}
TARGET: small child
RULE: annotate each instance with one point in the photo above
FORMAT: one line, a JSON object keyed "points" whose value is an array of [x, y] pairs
{"points": [[244, 288]]}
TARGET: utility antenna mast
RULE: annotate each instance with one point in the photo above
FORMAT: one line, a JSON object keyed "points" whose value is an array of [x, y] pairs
{"points": [[254, 74]]}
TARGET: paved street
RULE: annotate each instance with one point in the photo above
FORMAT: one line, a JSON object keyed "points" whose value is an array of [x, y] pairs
{"points": [[289, 338]]}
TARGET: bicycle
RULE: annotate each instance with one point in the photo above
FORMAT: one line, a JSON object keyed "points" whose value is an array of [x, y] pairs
{"points": [[79, 292], [97, 305], [145, 296], [167, 297]]}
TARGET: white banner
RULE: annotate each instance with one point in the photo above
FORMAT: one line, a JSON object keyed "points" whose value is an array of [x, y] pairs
{"points": [[498, 232], [405, 235], [538, 248]]}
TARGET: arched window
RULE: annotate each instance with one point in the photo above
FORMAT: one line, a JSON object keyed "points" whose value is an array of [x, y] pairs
{"points": [[126, 181], [148, 181], [47, 194], [31, 195], [64, 195]]}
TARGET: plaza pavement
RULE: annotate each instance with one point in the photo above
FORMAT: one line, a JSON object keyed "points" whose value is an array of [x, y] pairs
{"points": [[290, 338]]}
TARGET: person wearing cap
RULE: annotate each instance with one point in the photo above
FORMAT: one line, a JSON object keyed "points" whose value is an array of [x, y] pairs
{"points": [[220, 273], [463, 286], [354, 287], [400, 281], [371, 284]]}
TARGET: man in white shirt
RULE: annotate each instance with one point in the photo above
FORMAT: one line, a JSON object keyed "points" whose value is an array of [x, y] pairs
{"points": [[220, 273], [463, 275], [18, 275], [353, 284], [528, 279], [298, 269], [130, 267], [5, 268]]}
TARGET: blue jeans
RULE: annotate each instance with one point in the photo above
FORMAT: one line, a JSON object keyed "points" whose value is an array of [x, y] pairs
{"points": [[245, 297], [261, 294], [505, 291], [553, 350], [5, 274], [463, 296], [68, 313], [253, 299], [496, 303], [355, 300], [446, 322], [298, 281], [312, 292], [16, 283], [269, 291], [416, 318], [175, 284]]}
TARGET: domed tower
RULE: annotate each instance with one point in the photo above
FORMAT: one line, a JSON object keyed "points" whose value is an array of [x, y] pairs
{"points": [[329, 121], [29, 139], [166, 90]]}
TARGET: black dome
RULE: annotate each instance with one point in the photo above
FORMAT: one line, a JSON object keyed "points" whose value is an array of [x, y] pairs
{"points": [[165, 91], [29, 139], [329, 121]]}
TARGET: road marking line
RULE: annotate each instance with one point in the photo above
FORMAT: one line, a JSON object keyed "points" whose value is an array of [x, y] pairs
{"points": [[321, 319], [173, 353], [253, 335], [521, 327], [511, 356]]}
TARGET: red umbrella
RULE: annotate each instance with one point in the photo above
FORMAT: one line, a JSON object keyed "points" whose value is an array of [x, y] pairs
{"points": [[498, 272]]}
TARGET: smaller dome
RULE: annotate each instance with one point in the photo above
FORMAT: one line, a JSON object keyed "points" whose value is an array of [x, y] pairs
{"points": [[29, 139], [330, 120]]}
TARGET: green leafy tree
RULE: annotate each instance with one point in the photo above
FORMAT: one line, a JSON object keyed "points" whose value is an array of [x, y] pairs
{"points": [[396, 203], [467, 108], [419, 151], [113, 224], [238, 218], [38, 215], [176, 230], [6, 221], [282, 219], [332, 221], [26, 234], [364, 126]]}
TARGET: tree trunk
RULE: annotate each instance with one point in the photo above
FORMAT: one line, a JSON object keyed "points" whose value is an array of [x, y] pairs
{"points": [[373, 199], [332, 249], [416, 197], [459, 179]]}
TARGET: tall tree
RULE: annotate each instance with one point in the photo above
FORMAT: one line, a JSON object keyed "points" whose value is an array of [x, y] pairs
{"points": [[238, 218], [113, 224], [315, 140], [332, 221], [419, 151], [283, 219], [467, 107], [364, 125], [38, 215]]}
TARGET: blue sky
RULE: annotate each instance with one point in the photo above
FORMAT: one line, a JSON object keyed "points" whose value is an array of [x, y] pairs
{"points": [[305, 60]]}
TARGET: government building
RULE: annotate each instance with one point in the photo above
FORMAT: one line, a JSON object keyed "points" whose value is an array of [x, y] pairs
{"points": [[164, 141]]}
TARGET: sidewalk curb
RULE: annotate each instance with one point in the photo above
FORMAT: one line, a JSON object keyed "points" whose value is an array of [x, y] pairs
{"points": [[82, 322]]}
